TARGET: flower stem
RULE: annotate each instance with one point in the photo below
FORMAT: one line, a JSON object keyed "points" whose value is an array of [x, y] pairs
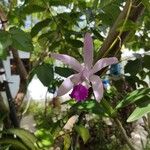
{"points": [[124, 134]]}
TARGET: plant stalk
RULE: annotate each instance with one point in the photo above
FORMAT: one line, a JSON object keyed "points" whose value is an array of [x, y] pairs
{"points": [[124, 134]]}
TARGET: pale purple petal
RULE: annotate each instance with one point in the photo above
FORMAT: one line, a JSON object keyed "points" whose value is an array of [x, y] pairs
{"points": [[66, 59], [102, 63], [76, 78], [65, 87], [97, 86], [88, 51]]}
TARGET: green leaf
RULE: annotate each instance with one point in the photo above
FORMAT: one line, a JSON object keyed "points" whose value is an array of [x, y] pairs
{"points": [[132, 97], [97, 34], [83, 132], [46, 139], [89, 106], [27, 138], [142, 109], [45, 74], [133, 66], [29, 9], [21, 40], [75, 43], [146, 3], [15, 143], [146, 63], [59, 2], [128, 26], [6, 147], [64, 72], [39, 26], [67, 142], [5, 41], [104, 3], [107, 108]]}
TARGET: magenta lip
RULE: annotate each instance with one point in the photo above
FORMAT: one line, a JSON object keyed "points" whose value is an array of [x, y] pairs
{"points": [[79, 93]]}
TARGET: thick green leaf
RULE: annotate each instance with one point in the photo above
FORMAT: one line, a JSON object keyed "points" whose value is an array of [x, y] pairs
{"points": [[64, 72], [45, 74], [67, 142], [15, 143], [83, 132], [142, 109], [21, 40], [133, 97], [39, 26], [27, 138]]}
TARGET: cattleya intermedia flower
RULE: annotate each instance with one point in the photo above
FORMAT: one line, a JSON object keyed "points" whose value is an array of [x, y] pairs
{"points": [[85, 76]]}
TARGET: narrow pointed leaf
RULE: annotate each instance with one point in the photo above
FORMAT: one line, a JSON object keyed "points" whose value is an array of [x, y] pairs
{"points": [[27, 138], [14, 143], [142, 109], [133, 97], [67, 142], [83, 132]]}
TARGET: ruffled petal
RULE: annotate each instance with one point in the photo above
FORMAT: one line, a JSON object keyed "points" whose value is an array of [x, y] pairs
{"points": [[65, 87], [66, 59], [88, 51], [102, 63], [97, 86]]}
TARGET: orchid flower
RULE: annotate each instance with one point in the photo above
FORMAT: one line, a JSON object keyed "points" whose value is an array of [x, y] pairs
{"points": [[85, 73]]}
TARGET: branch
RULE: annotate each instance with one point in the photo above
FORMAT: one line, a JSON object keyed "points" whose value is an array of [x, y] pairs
{"points": [[23, 77], [124, 134], [115, 39]]}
